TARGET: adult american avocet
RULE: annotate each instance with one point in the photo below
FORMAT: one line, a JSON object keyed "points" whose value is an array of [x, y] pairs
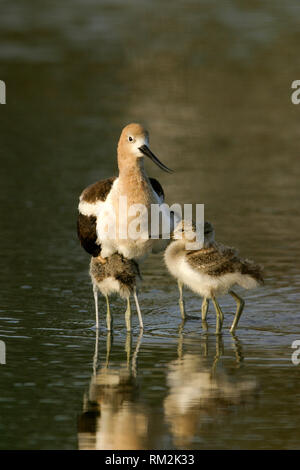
{"points": [[101, 206], [117, 275], [210, 271]]}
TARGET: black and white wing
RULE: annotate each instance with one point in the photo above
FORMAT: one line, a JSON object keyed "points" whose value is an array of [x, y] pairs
{"points": [[90, 199]]}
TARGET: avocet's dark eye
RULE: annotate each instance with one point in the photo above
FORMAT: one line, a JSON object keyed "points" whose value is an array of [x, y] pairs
{"points": [[130, 138]]}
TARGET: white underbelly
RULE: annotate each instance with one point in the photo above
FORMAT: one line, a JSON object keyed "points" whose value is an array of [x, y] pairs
{"points": [[111, 285], [130, 249], [204, 284]]}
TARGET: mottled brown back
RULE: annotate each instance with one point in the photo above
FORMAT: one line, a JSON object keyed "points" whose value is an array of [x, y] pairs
{"points": [[219, 259], [116, 266]]}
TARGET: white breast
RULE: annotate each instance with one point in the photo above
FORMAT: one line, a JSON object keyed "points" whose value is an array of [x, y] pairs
{"points": [[129, 247]]}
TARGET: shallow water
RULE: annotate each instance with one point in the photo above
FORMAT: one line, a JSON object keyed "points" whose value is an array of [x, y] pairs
{"points": [[212, 84]]}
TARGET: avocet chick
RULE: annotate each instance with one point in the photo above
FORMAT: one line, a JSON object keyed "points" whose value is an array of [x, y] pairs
{"points": [[118, 275], [210, 271]]}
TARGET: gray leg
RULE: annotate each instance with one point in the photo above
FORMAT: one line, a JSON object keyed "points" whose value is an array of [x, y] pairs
{"points": [[239, 308], [220, 316], [181, 301], [108, 315], [204, 308], [138, 308], [204, 325], [95, 290], [128, 315]]}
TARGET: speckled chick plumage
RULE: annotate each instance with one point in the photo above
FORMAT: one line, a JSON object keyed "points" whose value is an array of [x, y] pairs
{"points": [[116, 275], [212, 270]]}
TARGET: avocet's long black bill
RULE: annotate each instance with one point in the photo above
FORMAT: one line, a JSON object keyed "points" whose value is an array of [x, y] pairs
{"points": [[146, 151]]}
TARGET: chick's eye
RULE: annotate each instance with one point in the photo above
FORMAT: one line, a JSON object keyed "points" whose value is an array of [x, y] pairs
{"points": [[130, 138]]}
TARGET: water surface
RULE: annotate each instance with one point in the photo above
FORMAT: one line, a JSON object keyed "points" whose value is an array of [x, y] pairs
{"points": [[212, 84]]}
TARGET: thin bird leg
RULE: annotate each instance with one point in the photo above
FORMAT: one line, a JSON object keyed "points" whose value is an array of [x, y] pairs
{"points": [[220, 316], [181, 301], [239, 308], [128, 315], [108, 315], [204, 325], [95, 290], [181, 326], [204, 308], [128, 344], [138, 308]]}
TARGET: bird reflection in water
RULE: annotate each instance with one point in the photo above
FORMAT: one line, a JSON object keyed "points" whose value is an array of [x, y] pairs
{"points": [[111, 418], [200, 393]]}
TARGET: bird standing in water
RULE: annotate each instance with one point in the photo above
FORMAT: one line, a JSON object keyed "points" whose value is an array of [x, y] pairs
{"points": [[100, 206], [210, 271]]}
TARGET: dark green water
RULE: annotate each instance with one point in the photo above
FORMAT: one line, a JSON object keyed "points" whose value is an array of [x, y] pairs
{"points": [[212, 83]]}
